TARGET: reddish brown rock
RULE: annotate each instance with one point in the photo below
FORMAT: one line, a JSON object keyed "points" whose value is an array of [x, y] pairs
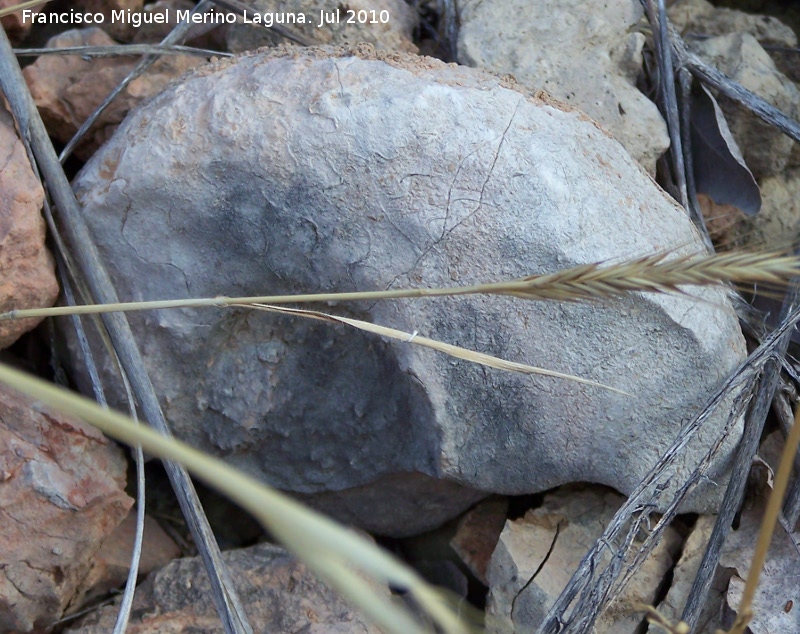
{"points": [[477, 535], [61, 495], [118, 29], [27, 279], [110, 566], [67, 89], [15, 27]]}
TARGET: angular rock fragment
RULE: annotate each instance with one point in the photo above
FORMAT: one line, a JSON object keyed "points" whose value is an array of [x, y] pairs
{"points": [[110, 566], [699, 19], [27, 279], [590, 59], [334, 170], [477, 535], [67, 88], [683, 576], [537, 555], [61, 494]]}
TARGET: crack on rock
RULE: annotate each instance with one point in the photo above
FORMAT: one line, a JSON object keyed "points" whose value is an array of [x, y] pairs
{"points": [[445, 234], [6, 157], [496, 157], [538, 570]]}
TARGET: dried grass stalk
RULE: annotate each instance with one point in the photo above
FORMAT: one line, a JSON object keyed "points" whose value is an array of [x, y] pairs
{"points": [[586, 282]]}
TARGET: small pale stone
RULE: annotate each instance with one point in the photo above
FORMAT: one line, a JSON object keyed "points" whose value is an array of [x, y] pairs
{"points": [[589, 59], [537, 555]]}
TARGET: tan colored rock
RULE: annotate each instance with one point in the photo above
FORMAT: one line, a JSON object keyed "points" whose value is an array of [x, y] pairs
{"points": [[537, 555], [27, 279], [683, 577], [278, 593], [67, 89], [386, 24], [61, 494], [701, 18]]}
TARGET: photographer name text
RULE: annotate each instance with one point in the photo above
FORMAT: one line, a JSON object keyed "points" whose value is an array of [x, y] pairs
{"points": [[268, 19]]}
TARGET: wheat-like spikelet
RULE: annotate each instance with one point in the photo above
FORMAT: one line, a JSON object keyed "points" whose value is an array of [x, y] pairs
{"points": [[653, 274]]}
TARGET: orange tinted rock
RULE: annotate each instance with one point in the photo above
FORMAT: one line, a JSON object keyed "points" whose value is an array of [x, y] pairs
{"points": [[61, 494], [27, 279], [477, 535], [67, 89]]}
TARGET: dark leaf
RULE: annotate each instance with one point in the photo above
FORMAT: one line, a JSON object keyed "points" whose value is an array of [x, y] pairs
{"points": [[719, 169]]}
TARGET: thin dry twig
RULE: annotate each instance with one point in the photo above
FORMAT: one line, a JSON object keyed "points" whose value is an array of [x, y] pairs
{"points": [[656, 13], [119, 50], [589, 590]]}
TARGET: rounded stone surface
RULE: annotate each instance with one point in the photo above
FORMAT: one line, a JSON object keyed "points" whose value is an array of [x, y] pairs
{"points": [[305, 171]]}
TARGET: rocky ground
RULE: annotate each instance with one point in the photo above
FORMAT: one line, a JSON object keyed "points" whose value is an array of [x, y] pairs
{"points": [[426, 145]]}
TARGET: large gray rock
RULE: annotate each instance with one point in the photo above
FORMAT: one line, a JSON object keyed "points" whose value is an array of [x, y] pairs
{"points": [[590, 59], [333, 171]]}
